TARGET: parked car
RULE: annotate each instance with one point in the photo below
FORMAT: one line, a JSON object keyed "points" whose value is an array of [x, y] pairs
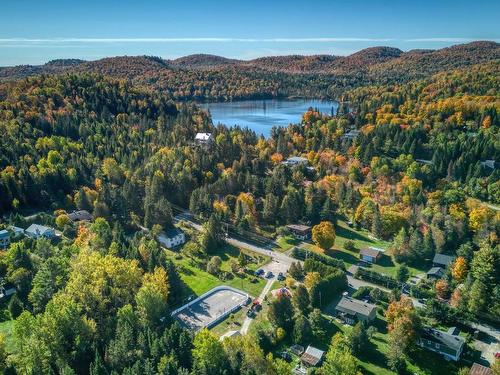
{"points": [[286, 356], [251, 313], [259, 272], [281, 277], [269, 274]]}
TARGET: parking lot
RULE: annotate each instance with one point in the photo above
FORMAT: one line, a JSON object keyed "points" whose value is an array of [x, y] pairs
{"points": [[214, 306], [275, 267]]}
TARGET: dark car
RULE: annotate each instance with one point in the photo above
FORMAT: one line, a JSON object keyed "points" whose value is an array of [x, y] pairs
{"points": [[269, 274], [281, 277], [259, 272]]}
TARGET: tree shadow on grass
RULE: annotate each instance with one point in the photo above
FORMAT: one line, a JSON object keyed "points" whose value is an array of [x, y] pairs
{"points": [[342, 255], [385, 261], [351, 234], [374, 356]]}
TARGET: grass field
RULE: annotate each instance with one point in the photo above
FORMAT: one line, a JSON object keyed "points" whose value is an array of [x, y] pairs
{"points": [[285, 243], [198, 281], [362, 238], [6, 330]]}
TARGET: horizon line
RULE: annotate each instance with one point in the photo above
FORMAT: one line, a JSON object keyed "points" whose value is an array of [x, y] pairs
{"points": [[240, 40]]}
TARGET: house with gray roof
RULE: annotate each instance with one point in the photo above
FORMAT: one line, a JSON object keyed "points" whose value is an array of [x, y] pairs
{"points": [[442, 260], [296, 160], [448, 344], [435, 273], [37, 231], [352, 310], [299, 231], [81, 215], [172, 237], [4, 239]]}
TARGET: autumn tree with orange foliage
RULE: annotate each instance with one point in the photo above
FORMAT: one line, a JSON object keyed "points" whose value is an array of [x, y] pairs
{"points": [[441, 287]]}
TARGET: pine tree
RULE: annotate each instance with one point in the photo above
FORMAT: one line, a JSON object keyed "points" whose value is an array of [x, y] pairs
{"points": [[376, 223]]}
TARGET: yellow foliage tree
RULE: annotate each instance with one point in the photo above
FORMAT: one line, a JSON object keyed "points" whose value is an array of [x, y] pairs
{"points": [[441, 287], [323, 235], [459, 269]]}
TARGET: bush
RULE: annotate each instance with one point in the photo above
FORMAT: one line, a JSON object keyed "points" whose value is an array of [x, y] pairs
{"points": [[349, 245]]}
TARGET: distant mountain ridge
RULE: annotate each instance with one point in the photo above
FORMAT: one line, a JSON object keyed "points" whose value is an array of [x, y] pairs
{"points": [[211, 77]]}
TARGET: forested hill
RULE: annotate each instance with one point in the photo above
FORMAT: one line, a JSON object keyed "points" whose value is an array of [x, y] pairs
{"points": [[209, 77]]}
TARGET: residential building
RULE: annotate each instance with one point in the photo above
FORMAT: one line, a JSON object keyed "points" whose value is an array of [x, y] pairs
{"points": [[370, 254], [296, 160], [81, 215], [351, 310], [478, 369], [4, 239], [435, 273], [351, 135], [37, 231], [16, 231], [299, 231], [172, 237], [489, 163], [448, 344], [442, 260], [203, 138], [312, 356]]}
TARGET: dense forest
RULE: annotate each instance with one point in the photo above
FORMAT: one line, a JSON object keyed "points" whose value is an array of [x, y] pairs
{"points": [[116, 138]]}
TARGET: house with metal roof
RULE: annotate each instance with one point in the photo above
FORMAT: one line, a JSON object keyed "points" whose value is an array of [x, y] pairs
{"points": [[81, 215], [442, 260], [296, 160], [312, 356], [370, 254], [448, 344], [4, 239], [203, 138], [37, 231], [478, 369], [172, 237], [435, 273], [352, 310]]}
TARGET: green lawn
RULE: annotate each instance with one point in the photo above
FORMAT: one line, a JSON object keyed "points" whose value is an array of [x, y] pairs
{"points": [[232, 323], [362, 238], [285, 243], [198, 281], [6, 330]]}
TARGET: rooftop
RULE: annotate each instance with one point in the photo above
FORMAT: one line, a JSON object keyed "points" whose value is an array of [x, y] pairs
{"points": [[80, 215], [443, 259], [370, 251], [354, 306], [478, 369], [172, 232], [312, 355], [37, 228], [453, 342], [203, 136], [299, 227], [436, 271], [296, 159]]}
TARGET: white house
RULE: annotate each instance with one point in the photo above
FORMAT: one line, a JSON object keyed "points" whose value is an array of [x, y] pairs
{"points": [[296, 160], [203, 138], [172, 238], [37, 231], [448, 344]]}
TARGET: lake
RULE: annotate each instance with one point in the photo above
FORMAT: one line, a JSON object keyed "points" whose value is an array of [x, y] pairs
{"points": [[262, 115]]}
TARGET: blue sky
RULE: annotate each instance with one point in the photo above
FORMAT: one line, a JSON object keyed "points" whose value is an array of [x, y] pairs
{"points": [[35, 31]]}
